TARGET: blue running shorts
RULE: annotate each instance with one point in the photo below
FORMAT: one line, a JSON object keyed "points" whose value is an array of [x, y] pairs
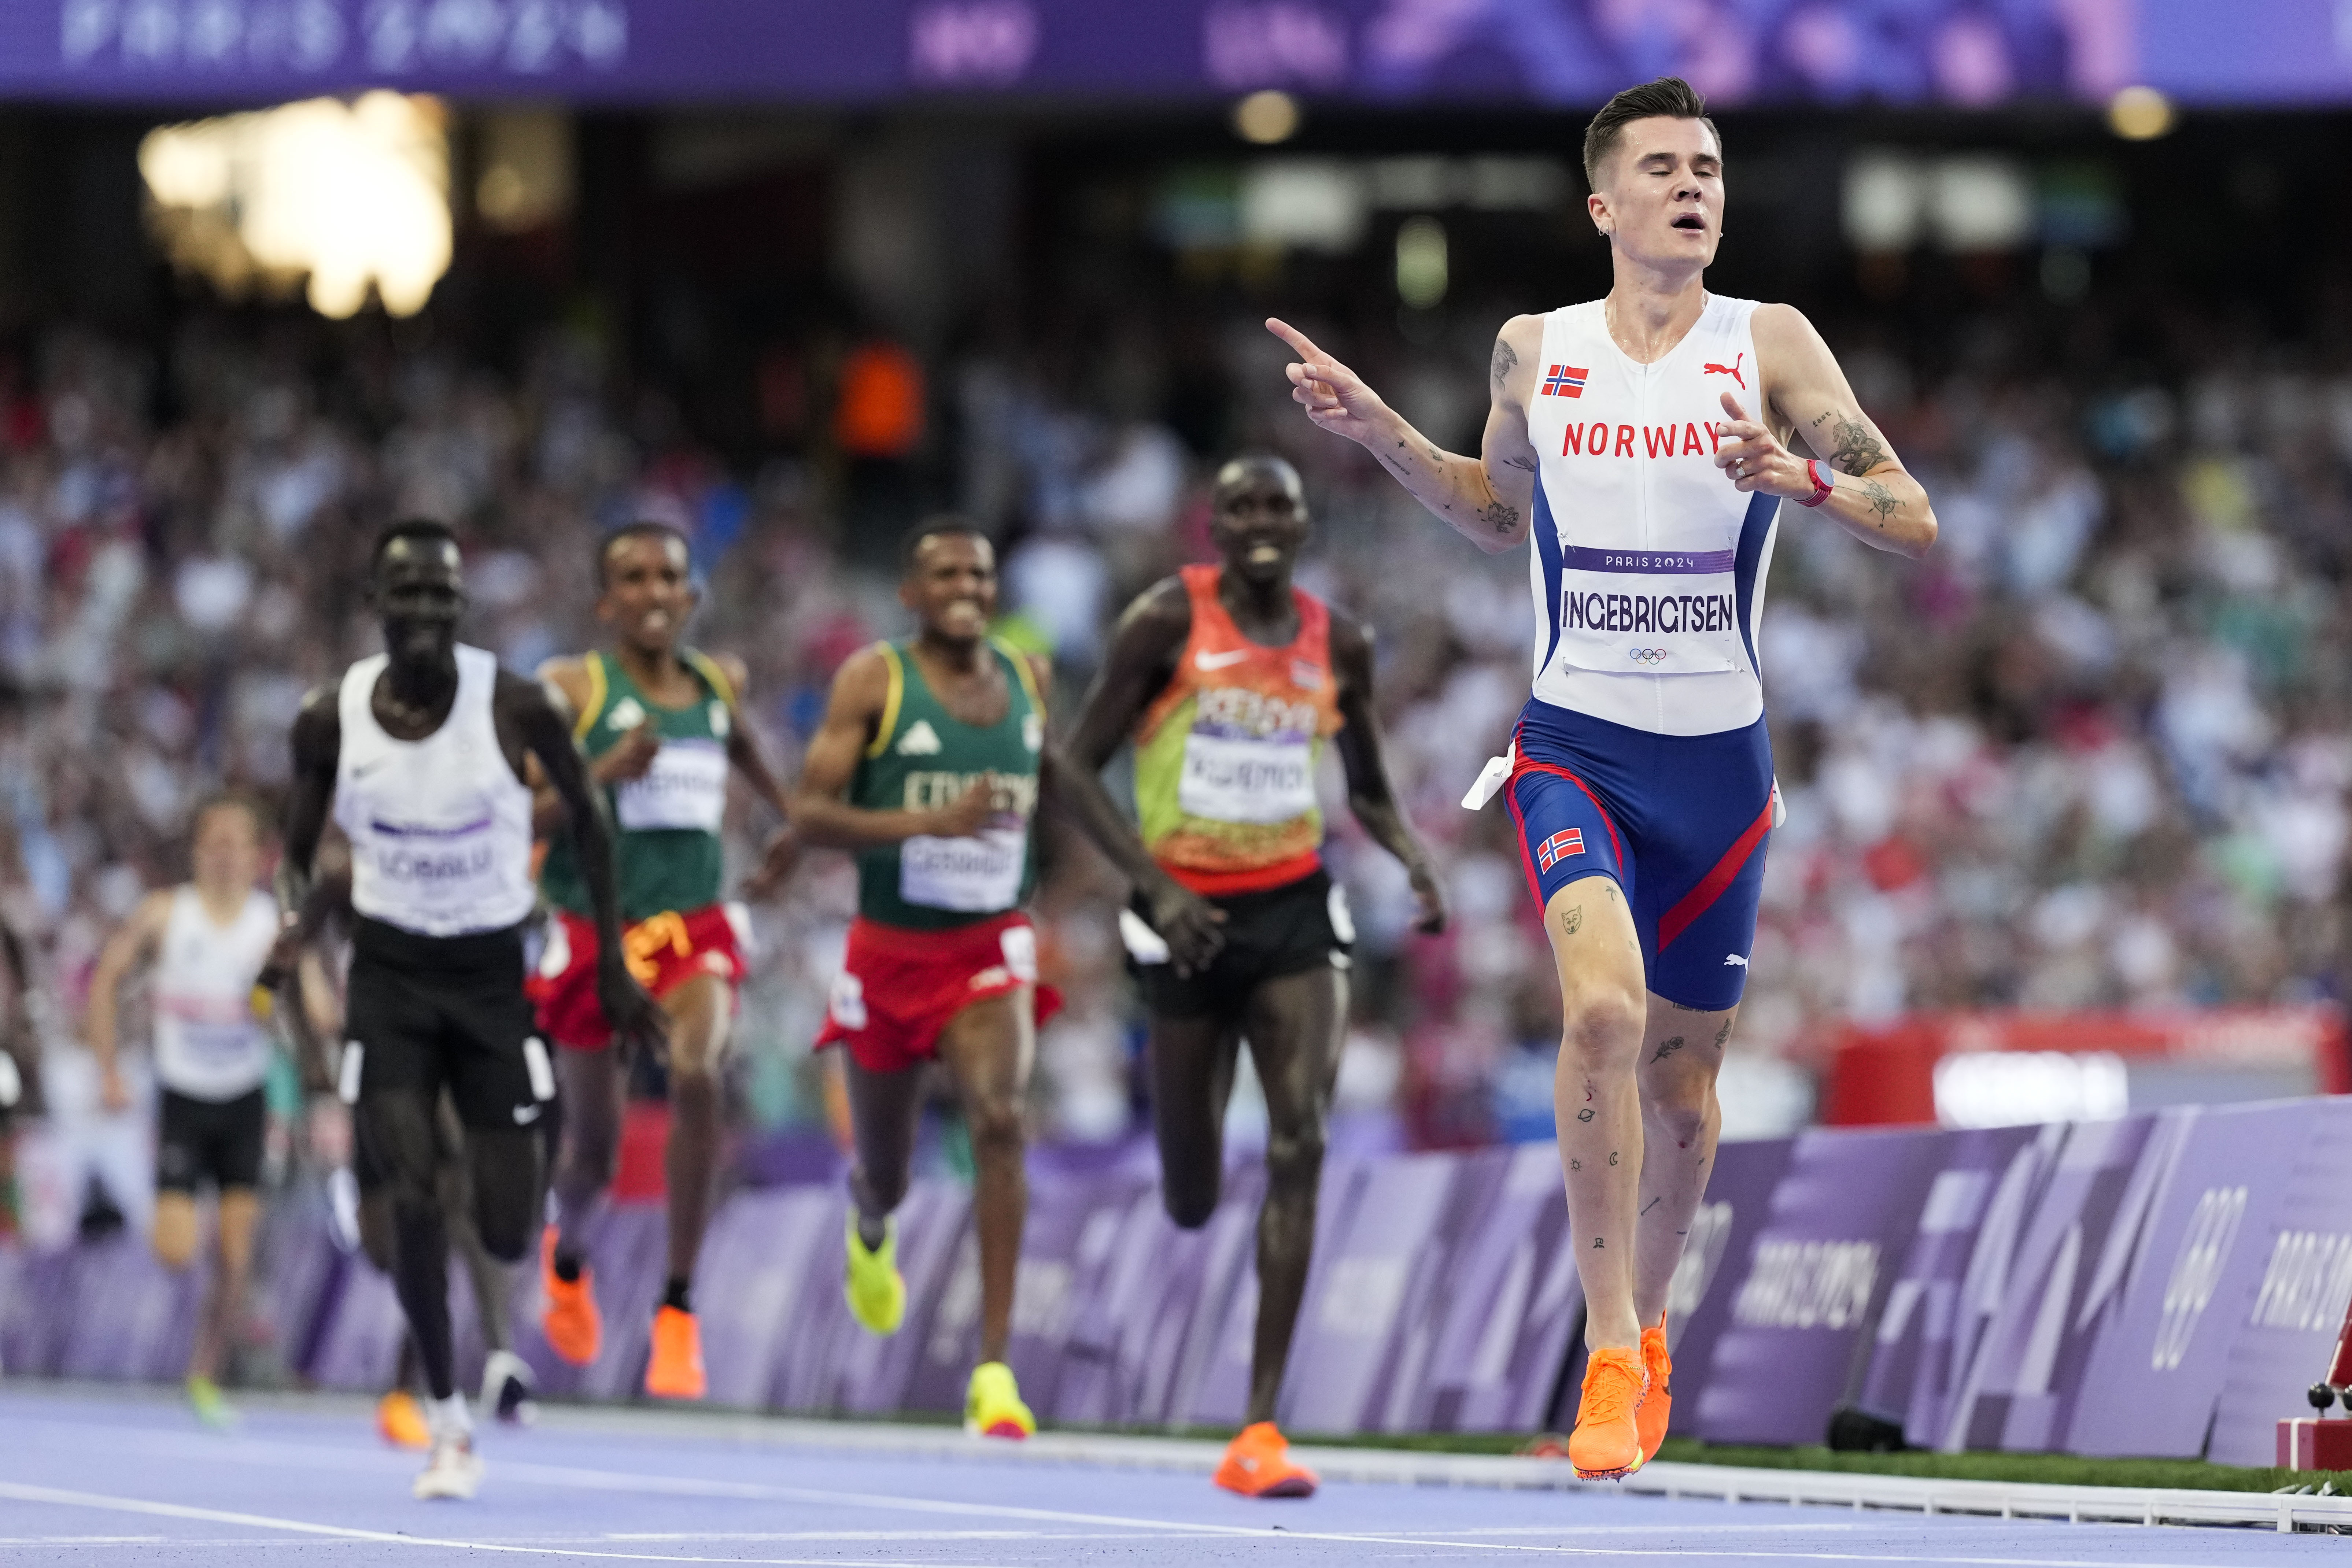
{"points": [[1678, 822]]}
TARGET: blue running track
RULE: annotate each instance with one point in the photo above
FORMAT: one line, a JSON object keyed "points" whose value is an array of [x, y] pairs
{"points": [[91, 1480]]}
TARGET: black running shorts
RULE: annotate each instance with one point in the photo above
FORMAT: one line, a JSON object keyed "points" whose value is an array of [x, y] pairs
{"points": [[218, 1141], [1285, 930], [431, 1013]]}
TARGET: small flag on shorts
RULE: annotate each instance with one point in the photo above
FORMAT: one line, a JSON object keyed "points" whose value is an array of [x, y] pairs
{"points": [[1559, 847]]}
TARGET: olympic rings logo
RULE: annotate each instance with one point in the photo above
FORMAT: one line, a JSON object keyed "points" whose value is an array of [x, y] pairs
{"points": [[1646, 655]]}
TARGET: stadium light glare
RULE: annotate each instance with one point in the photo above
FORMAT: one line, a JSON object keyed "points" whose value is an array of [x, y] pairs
{"points": [[2139, 114], [1421, 263], [352, 197], [1266, 117]]}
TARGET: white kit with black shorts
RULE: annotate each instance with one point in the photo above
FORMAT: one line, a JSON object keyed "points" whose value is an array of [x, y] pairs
{"points": [[441, 836], [211, 1052]]}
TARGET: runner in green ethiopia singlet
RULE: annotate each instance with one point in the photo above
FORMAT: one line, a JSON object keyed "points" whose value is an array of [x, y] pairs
{"points": [[669, 851], [922, 757]]}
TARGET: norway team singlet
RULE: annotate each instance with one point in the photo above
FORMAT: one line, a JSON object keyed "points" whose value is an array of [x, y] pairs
{"points": [[669, 853], [1224, 757], [923, 758], [1648, 566]]}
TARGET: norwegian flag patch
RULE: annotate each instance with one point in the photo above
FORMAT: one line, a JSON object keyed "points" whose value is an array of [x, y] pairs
{"points": [[1559, 847], [1565, 380]]}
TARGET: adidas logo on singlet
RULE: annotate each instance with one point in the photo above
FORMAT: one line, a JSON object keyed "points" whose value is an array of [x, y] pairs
{"points": [[920, 740]]}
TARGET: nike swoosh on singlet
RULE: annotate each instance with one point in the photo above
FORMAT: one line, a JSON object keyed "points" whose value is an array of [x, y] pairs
{"points": [[1208, 660]]}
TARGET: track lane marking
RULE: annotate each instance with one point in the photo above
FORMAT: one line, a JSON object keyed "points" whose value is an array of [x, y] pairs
{"points": [[610, 1481]]}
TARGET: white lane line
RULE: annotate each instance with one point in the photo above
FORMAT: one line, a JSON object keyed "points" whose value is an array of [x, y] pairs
{"points": [[66, 1497], [608, 1482]]}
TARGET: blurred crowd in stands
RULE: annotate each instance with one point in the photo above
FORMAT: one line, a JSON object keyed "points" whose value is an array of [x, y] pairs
{"points": [[2093, 751]]}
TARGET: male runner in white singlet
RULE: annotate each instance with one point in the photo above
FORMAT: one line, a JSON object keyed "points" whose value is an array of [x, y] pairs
{"points": [[207, 939], [1619, 447], [420, 752]]}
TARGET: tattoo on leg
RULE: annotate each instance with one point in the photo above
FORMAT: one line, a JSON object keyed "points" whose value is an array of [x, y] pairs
{"points": [[1681, 1007], [1585, 1114], [1654, 1203], [1668, 1049], [1504, 362], [1723, 1034], [1596, 1245], [1613, 1156], [1576, 1164], [1572, 920]]}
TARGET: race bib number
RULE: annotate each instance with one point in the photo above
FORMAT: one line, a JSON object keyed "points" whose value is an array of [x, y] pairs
{"points": [[971, 876], [685, 788], [1234, 778], [220, 1044], [1650, 612]]}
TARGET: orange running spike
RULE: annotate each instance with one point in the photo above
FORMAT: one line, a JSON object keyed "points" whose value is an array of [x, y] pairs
{"points": [[1257, 1464], [1657, 1402], [675, 1370], [571, 1324], [1607, 1442]]}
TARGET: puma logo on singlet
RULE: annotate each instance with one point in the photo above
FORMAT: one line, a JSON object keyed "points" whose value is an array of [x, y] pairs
{"points": [[1731, 370], [1207, 661], [920, 740], [1732, 958]]}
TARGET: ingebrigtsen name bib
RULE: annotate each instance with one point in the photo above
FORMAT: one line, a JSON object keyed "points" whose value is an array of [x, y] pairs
{"points": [[1647, 564]]}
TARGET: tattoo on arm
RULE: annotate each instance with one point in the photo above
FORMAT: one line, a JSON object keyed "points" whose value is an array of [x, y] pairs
{"points": [[1504, 362], [1858, 450], [1500, 518], [1882, 500], [1527, 462]]}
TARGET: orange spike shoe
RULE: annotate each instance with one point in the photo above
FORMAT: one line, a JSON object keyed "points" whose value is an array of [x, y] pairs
{"points": [[1258, 1464], [571, 1322], [1607, 1442], [1657, 1402], [675, 1370]]}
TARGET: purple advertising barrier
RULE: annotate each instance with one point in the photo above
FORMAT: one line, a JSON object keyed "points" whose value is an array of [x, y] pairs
{"points": [[1911, 1373], [2029, 1345], [1221, 1396], [1714, 1266], [1849, 1198], [127, 1315], [359, 1345], [1071, 1225], [1365, 1326], [829, 1365], [762, 1266], [1500, 1326], [2180, 1271], [295, 1265], [1148, 1313], [2284, 1331], [627, 1258], [32, 1330]]}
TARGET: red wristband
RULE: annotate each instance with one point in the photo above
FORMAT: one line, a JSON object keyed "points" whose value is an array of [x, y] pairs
{"points": [[1821, 486]]}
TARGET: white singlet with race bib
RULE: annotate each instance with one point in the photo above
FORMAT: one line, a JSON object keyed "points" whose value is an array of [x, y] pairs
{"points": [[1648, 566], [440, 828], [208, 1044]]}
